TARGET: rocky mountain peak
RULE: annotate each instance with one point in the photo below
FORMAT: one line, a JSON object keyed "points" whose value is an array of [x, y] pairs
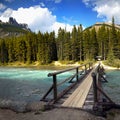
{"points": [[13, 21]]}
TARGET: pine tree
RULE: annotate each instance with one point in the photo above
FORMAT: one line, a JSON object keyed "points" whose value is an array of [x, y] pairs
{"points": [[74, 44], [110, 58], [80, 42], [52, 47], [118, 45], [3, 52], [94, 43], [86, 45], [114, 39], [11, 55], [67, 46], [102, 37], [29, 47], [21, 50], [40, 46], [60, 43]]}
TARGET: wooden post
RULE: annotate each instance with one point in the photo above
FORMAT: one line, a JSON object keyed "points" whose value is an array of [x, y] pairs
{"points": [[85, 69], [104, 94], [77, 74], [94, 87], [89, 66], [54, 87]]}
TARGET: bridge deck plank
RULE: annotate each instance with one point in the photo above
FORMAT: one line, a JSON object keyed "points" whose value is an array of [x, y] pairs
{"points": [[77, 98]]}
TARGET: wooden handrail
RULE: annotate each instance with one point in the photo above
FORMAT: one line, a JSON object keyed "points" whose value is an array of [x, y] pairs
{"points": [[55, 84], [97, 88], [69, 69], [61, 71]]}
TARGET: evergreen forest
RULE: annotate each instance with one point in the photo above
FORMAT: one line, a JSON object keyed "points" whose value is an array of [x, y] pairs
{"points": [[78, 45]]}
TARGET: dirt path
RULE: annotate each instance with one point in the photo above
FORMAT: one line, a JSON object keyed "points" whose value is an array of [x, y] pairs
{"points": [[54, 114]]}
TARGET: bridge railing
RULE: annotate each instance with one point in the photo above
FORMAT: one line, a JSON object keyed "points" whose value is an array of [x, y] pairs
{"points": [[80, 72], [101, 99]]}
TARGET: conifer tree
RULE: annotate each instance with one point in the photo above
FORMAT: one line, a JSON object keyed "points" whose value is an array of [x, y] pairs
{"points": [[86, 45], [3, 52], [74, 44], [60, 43], [114, 38], [80, 42], [94, 43], [52, 47], [102, 38], [110, 57], [29, 47], [67, 46]]}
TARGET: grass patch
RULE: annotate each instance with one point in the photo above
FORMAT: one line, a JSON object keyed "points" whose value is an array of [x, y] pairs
{"points": [[114, 63]]}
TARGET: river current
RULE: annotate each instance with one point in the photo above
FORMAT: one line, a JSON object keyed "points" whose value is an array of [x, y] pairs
{"points": [[28, 84], [112, 87]]}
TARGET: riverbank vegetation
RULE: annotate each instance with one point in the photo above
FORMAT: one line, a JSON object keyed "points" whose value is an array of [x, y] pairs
{"points": [[115, 63], [78, 45]]}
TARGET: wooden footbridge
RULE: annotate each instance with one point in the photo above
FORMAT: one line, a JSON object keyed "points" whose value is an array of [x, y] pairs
{"points": [[84, 90]]}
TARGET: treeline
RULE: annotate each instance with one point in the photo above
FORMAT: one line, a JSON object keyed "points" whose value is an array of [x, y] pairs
{"points": [[29, 48], [78, 45]]}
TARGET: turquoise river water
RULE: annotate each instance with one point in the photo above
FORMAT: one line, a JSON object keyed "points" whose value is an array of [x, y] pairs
{"points": [[28, 84], [112, 87]]}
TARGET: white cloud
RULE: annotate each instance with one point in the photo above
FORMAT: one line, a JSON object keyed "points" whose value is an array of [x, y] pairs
{"points": [[106, 9], [55, 1], [9, 0], [58, 1], [86, 2], [70, 20], [57, 25], [36, 17], [2, 6], [7, 13], [5, 16], [42, 4]]}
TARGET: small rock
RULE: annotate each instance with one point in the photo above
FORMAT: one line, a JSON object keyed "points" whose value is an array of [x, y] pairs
{"points": [[36, 106]]}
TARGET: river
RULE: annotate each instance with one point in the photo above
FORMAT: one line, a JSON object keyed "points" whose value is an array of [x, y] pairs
{"points": [[112, 87], [30, 84], [26, 84]]}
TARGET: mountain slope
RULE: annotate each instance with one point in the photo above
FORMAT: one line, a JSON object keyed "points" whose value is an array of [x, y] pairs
{"points": [[11, 29], [99, 24]]}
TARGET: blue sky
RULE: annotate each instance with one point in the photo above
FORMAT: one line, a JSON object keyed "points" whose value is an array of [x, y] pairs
{"points": [[49, 15]]}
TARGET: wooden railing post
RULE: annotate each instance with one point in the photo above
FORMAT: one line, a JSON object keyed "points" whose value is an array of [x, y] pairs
{"points": [[77, 74], [54, 87], [89, 66], [85, 69], [94, 87]]}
